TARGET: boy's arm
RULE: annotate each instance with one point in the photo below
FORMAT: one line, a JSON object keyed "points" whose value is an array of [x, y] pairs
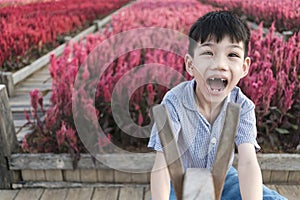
{"points": [[160, 179], [249, 172]]}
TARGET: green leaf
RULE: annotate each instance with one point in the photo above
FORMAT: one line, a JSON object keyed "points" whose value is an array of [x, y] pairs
{"points": [[290, 115], [282, 131], [294, 126]]}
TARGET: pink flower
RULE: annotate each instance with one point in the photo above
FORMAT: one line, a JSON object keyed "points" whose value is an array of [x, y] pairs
{"points": [[60, 135], [34, 98], [151, 94], [103, 141], [25, 145], [72, 138], [27, 116]]}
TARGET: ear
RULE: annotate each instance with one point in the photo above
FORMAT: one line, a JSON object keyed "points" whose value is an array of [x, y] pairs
{"points": [[246, 66], [189, 64]]}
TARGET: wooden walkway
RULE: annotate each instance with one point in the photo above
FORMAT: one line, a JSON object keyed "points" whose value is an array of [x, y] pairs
{"points": [[40, 80], [126, 192], [88, 193]]}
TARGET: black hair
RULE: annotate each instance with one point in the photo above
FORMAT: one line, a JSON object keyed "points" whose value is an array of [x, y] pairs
{"points": [[216, 25]]}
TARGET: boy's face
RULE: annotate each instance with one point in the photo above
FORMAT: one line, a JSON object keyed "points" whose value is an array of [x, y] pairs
{"points": [[217, 68]]}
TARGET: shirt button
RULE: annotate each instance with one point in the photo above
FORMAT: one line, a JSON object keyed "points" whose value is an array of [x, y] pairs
{"points": [[213, 140]]}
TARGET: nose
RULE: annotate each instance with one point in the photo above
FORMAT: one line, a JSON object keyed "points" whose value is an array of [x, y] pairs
{"points": [[220, 63]]}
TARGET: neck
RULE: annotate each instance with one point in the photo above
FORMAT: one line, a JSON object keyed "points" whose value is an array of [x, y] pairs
{"points": [[208, 109]]}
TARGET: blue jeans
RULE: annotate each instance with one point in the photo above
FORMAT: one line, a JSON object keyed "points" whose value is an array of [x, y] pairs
{"points": [[231, 190]]}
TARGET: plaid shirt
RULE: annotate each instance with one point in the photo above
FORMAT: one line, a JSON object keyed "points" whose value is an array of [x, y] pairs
{"points": [[197, 139]]}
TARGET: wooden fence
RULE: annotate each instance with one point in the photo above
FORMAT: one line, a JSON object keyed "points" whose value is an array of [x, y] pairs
{"points": [[8, 140]]}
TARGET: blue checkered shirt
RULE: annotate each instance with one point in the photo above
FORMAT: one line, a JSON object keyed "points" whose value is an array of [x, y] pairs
{"points": [[197, 139]]}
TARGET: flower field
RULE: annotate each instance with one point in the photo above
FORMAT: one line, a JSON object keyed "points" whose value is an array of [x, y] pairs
{"points": [[19, 2], [31, 28], [285, 13], [273, 81]]}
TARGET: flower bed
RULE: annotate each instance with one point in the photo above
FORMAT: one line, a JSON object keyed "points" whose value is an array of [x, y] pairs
{"points": [[273, 82], [37, 26], [19, 2], [54, 170], [286, 13]]}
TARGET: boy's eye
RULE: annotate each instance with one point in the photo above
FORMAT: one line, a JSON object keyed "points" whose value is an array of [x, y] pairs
{"points": [[208, 53], [234, 55]]}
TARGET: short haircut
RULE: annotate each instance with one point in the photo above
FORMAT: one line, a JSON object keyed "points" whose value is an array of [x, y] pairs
{"points": [[215, 26]]}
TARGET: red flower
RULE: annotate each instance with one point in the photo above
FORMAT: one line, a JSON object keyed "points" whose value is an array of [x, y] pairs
{"points": [[61, 135], [103, 141], [34, 98]]}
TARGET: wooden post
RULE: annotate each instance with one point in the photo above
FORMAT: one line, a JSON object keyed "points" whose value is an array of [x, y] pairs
{"points": [[6, 78], [8, 139], [225, 147], [171, 152]]}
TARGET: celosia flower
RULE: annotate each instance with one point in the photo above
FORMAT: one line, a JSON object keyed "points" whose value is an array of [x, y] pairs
{"points": [[103, 141], [72, 138], [25, 145], [34, 98], [61, 134], [27, 117]]}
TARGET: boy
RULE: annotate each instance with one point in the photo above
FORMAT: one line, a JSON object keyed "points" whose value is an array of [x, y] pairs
{"points": [[217, 60]]}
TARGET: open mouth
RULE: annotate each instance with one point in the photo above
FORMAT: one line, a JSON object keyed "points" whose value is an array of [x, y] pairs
{"points": [[217, 84]]}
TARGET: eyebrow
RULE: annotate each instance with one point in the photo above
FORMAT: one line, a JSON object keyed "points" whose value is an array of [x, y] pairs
{"points": [[236, 46], [208, 44]]}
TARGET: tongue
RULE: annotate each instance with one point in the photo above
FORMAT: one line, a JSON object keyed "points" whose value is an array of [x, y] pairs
{"points": [[216, 84]]}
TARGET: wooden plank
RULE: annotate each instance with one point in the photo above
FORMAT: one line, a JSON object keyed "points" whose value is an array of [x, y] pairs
{"points": [[29, 88], [294, 177], [105, 175], [272, 187], [122, 177], [225, 147], [24, 100], [28, 175], [171, 152], [106, 193], [72, 175], [8, 139], [131, 193], [32, 194], [266, 175], [53, 175], [198, 184], [79, 194], [289, 162], [147, 193], [20, 123], [291, 192], [140, 177], [17, 177], [39, 79], [40, 175], [88, 175], [54, 194], [279, 176], [128, 161], [35, 85], [8, 194], [6, 78], [141, 162]]}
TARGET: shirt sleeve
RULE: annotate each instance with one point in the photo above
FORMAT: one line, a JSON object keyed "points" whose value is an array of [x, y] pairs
{"points": [[170, 102], [247, 131]]}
